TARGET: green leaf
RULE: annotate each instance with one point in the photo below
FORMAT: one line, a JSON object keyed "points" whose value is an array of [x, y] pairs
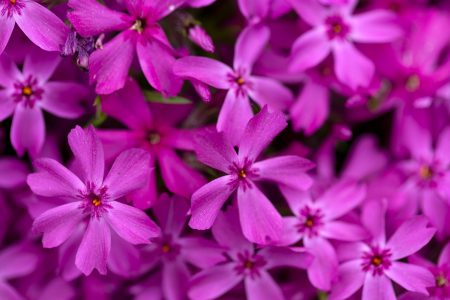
{"points": [[152, 96]]}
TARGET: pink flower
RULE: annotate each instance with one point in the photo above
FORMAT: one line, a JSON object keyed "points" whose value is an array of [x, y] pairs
{"points": [[94, 198]]}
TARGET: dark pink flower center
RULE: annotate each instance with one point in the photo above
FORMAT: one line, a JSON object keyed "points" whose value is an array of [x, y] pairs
{"points": [[239, 82], [310, 221], [441, 290], [153, 137], [243, 173], [336, 27], [95, 201], [429, 174], [249, 264], [168, 247], [376, 260], [11, 7], [27, 92]]}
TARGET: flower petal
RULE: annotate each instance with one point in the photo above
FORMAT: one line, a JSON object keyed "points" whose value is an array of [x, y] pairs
{"points": [[249, 45], [410, 237], [58, 223], [131, 224], [443, 147], [286, 257], [54, 180], [6, 29], [378, 288], [411, 277], [207, 70], [254, 10], [201, 252], [311, 11], [262, 287], [8, 292], [63, 99], [207, 201], [171, 213], [266, 91], [309, 50], [108, 66], [289, 170], [7, 105], [42, 26], [28, 130], [261, 223], [17, 261], [175, 279], [94, 249], [350, 279], [84, 17], [88, 152], [129, 172], [375, 26], [41, 64], [323, 268], [260, 132], [8, 71], [17, 173], [213, 282], [343, 231]]}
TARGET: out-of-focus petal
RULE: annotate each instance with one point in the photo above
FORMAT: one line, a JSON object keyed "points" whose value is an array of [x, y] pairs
{"points": [[262, 287], [411, 277], [350, 279], [9, 72], [323, 268], [310, 10], [344, 231], [6, 29], [378, 288], [266, 91], [41, 64], [286, 257], [17, 173], [7, 104], [201, 252], [254, 10], [309, 50], [375, 26], [249, 45], [175, 280], [28, 130], [63, 99]]}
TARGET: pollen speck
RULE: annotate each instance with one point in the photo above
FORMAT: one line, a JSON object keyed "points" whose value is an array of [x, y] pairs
{"points": [[242, 174], [165, 248], [26, 90], [376, 261], [425, 172], [13, 1], [96, 202], [412, 83], [240, 81]]}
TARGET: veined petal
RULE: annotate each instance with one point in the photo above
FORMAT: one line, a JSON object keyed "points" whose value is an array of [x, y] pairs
{"points": [[378, 288], [375, 26], [289, 170], [207, 70], [207, 201], [88, 152], [411, 277], [309, 50], [262, 287], [84, 16], [260, 221], [249, 45], [94, 249], [131, 224], [28, 130], [42, 26], [54, 180], [128, 173], [6, 29], [63, 99], [58, 223]]}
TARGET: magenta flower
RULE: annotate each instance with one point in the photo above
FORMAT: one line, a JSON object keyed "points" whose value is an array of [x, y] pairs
{"points": [[152, 129], [334, 31], [94, 198], [175, 251], [374, 265], [317, 221], [139, 32], [39, 24], [239, 81], [261, 222], [245, 263], [25, 94]]}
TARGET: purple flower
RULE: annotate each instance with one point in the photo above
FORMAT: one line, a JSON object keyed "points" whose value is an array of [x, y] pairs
{"points": [[373, 265], [317, 221], [334, 31], [25, 94], [261, 222], [139, 32], [245, 263], [152, 129], [39, 24], [93, 197], [239, 81]]}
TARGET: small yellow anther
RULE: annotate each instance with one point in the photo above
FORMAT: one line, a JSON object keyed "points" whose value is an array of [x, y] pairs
{"points": [[425, 172], [96, 202], [412, 83], [376, 261], [26, 90], [240, 81], [242, 174]]}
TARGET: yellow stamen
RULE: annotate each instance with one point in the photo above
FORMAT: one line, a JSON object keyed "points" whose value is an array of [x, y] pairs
{"points": [[154, 138], [441, 281], [165, 248], [13, 1], [309, 222], [425, 172], [240, 81], [96, 202], [138, 26], [412, 83], [376, 261], [242, 174], [337, 28], [26, 90]]}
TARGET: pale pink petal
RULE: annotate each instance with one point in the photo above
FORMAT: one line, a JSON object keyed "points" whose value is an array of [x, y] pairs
{"points": [[341, 198], [128, 173], [85, 18], [207, 201], [64, 99], [323, 268], [94, 249], [88, 152], [349, 279], [175, 280], [203, 69], [41, 64], [411, 277], [311, 108], [260, 132], [131, 224], [309, 50], [261, 287], [58, 223], [375, 26], [6, 29], [378, 288], [54, 180], [249, 45], [213, 282], [343, 231], [157, 63], [42, 26], [108, 66], [289, 170], [351, 66], [234, 115], [213, 150], [261, 223], [134, 112], [28, 130], [403, 243], [266, 91]]}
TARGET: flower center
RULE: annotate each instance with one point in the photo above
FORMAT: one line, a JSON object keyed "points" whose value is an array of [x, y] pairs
{"points": [[139, 25], [311, 220], [441, 281], [242, 173], [154, 138], [240, 81], [169, 248], [165, 248], [249, 264], [96, 202], [412, 83], [13, 2], [336, 27], [27, 92], [376, 260], [426, 172]]}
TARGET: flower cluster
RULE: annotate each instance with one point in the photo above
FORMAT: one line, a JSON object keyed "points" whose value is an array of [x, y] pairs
{"points": [[232, 149]]}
